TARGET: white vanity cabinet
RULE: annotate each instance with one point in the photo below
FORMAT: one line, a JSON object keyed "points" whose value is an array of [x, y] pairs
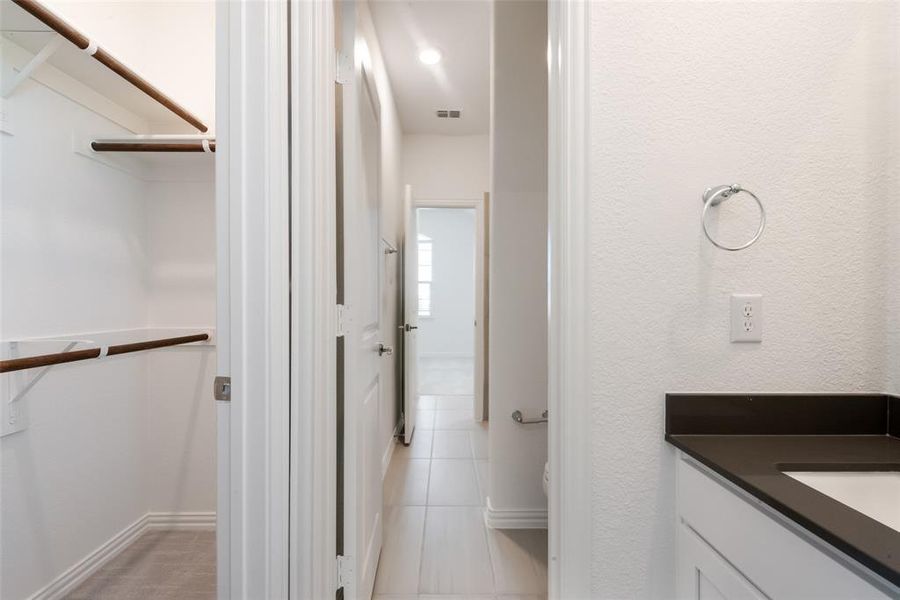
{"points": [[732, 546]]}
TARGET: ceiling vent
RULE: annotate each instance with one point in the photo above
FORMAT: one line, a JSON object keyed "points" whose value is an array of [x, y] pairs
{"points": [[448, 114]]}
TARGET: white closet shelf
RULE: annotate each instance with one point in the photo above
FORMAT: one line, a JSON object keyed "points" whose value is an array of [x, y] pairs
{"points": [[34, 27]]}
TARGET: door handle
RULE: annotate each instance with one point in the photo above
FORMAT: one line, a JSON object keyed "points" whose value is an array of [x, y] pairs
{"points": [[407, 327], [382, 350]]}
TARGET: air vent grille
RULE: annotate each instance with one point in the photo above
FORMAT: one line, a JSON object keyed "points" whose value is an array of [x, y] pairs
{"points": [[444, 113]]}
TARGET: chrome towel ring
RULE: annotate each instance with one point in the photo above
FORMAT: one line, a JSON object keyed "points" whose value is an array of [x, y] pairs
{"points": [[715, 196]]}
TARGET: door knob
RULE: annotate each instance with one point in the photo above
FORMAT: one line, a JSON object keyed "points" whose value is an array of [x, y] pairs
{"points": [[407, 327], [382, 350]]}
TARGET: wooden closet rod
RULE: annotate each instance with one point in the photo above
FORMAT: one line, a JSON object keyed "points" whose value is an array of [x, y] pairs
{"points": [[187, 146], [51, 20], [31, 362]]}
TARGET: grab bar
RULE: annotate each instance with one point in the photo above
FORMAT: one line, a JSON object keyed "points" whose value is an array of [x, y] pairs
{"points": [[518, 418]]}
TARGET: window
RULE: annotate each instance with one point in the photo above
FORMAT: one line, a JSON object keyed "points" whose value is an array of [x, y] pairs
{"points": [[424, 276]]}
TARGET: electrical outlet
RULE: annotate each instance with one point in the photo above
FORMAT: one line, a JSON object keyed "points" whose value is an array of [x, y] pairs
{"points": [[746, 318]]}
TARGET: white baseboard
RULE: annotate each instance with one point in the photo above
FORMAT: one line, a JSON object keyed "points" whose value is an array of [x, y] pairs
{"points": [[80, 571], [389, 451], [517, 518], [181, 520]]}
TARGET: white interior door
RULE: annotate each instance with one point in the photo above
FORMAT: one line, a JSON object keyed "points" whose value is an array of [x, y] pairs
{"points": [[410, 315], [363, 325]]}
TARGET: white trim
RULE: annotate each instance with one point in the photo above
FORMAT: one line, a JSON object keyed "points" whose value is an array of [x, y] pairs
{"points": [[253, 191], [87, 566], [314, 317], [480, 400], [517, 518], [205, 521], [569, 387]]}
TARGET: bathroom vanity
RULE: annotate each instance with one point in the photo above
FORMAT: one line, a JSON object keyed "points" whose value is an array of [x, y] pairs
{"points": [[786, 496]]}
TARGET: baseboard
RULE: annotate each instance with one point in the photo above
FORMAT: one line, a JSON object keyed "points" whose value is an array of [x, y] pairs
{"points": [[181, 520], [389, 451], [516, 518], [80, 571]]}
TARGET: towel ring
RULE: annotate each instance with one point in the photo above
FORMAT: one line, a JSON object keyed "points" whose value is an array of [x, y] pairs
{"points": [[715, 196]]}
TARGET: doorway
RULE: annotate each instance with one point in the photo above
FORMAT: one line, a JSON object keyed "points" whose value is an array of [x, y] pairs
{"points": [[445, 284]]}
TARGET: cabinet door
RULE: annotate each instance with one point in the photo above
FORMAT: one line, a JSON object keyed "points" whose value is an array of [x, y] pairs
{"points": [[704, 575]]}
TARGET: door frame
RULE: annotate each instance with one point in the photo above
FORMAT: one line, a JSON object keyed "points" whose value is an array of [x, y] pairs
{"points": [[480, 400], [570, 515], [252, 210]]}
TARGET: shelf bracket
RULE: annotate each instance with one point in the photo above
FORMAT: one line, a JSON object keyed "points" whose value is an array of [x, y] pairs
{"points": [[39, 59]]}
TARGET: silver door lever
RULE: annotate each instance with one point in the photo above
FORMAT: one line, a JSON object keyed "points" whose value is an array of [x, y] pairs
{"points": [[518, 418], [382, 350]]}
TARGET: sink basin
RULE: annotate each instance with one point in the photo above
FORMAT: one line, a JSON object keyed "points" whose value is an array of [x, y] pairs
{"points": [[875, 494]]}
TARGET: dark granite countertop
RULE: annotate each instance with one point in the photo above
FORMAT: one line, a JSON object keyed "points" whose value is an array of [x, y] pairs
{"points": [[730, 435]]}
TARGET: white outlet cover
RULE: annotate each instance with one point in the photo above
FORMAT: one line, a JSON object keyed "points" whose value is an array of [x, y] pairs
{"points": [[746, 318]]}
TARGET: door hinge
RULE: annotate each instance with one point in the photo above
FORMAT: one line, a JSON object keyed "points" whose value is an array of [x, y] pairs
{"points": [[341, 320], [222, 388], [344, 570], [342, 68]]}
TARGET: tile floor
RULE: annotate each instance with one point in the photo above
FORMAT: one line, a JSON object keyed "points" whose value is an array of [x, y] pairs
{"points": [[436, 545], [159, 565], [455, 376]]}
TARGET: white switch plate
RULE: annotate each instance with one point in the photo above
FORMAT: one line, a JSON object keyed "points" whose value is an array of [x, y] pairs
{"points": [[746, 318]]}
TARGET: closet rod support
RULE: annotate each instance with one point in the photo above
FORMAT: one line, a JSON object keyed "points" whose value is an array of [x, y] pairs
{"points": [[40, 58]]}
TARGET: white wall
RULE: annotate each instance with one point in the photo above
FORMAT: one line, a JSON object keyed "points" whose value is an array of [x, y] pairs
{"points": [[796, 101], [447, 167], [450, 330], [391, 227], [518, 255], [73, 259], [169, 42], [181, 281]]}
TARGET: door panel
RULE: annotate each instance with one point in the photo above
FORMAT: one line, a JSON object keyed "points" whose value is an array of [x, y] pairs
{"points": [[410, 315]]}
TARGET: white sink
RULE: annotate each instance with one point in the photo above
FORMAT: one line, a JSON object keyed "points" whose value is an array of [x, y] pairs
{"points": [[875, 494]]}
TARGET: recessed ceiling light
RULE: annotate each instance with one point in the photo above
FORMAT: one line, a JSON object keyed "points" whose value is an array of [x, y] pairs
{"points": [[429, 56]]}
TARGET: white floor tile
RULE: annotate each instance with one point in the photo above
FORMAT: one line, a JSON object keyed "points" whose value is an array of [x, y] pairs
{"points": [[406, 482], [425, 419], [454, 419], [482, 470], [398, 567], [453, 483], [446, 375], [451, 444], [479, 437], [419, 448], [516, 569], [427, 402], [455, 403], [455, 557]]}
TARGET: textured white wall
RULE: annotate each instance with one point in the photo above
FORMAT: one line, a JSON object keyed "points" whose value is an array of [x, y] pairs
{"points": [[447, 167], [797, 101], [518, 254], [450, 331]]}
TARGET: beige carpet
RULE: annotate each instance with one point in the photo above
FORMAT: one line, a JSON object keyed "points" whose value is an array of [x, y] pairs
{"points": [[159, 565]]}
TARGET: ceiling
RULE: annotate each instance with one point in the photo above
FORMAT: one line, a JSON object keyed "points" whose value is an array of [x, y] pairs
{"points": [[460, 29]]}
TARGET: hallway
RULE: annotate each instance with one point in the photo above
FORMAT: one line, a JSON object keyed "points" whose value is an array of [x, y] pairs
{"points": [[436, 544]]}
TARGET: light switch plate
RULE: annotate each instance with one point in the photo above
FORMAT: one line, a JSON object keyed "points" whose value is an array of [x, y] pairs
{"points": [[746, 318]]}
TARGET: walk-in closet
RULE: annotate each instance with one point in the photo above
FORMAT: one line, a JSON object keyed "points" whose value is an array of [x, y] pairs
{"points": [[108, 305]]}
